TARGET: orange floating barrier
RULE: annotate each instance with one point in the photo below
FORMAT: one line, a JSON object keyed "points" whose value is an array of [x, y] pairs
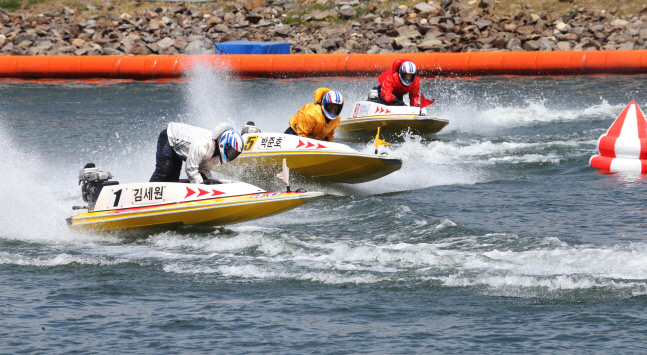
{"points": [[316, 65]]}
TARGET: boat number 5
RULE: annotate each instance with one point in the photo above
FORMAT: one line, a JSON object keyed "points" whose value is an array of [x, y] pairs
{"points": [[249, 144]]}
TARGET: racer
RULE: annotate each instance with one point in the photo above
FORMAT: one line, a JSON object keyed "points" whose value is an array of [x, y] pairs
{"points": [[318, 120], [394, 83], [200, 148]]}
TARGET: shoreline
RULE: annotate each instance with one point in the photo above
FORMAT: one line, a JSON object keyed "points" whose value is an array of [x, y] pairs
{"points": [[195, 28]]}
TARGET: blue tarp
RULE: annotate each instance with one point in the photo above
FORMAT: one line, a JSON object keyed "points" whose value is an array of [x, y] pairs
{"points": [[249, 47]]}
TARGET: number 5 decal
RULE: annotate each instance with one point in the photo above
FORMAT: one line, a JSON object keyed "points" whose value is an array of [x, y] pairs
{"points": [[249, 144]]}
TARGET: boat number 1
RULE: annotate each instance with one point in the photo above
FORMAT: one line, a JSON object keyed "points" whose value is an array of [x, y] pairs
{"points": [[117, 197]]}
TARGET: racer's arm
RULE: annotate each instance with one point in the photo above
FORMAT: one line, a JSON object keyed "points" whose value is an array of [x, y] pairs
{"points": [[305, 125], [331, 136], [414, 94], [197, 153], [387, 91]]}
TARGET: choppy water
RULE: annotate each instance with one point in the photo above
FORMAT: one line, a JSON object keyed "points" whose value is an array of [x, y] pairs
{"points": [[494, 237]]}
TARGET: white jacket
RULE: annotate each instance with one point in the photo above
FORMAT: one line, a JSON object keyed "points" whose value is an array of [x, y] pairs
{"points": [[197, 147]]}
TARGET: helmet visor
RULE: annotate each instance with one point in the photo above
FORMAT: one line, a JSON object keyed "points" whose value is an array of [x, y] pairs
{"points": [[230, 152], [408, 77], [333, 109]]}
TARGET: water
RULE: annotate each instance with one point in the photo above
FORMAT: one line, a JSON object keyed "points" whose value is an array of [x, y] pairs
{"points": [[495, 236]]}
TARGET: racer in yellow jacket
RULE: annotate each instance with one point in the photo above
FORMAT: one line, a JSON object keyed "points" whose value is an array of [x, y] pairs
{"points": [[318, 120]]}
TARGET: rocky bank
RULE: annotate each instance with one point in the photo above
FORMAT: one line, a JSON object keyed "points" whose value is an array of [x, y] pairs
{"points": [[337, 26]]}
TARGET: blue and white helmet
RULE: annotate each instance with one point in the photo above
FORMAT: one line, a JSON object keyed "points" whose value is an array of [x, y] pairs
{"points": [[332, 104], [407, 73], [231, 145]]}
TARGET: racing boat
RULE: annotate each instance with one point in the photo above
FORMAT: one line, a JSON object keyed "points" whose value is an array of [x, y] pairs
{"points": [[114, 206], [394, 120], [263, 154]]}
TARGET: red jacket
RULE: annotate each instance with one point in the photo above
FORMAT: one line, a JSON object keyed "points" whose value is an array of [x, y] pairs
{"points": [[391, 86]]}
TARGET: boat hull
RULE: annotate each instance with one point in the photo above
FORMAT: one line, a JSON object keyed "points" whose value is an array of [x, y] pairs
{"points": [[208, 212], [338, 167], [365, 128]]}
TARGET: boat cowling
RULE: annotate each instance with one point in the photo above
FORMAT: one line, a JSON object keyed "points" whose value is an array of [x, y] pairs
{"points": [[369, 109]]}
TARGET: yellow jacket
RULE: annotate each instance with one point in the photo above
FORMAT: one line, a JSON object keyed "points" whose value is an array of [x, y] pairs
{"points": [[310, 120]]}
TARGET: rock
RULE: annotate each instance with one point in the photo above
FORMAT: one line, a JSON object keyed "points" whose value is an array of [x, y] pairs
{"points": [[26, 36], [446, 3], [165, 43], [78, 43], [154, 25], [351, 44], [34, 51], [499, 43], [626, 46], [431, 45], [619, 23], [531, 45], [221, 28], [546, 45], [526, 30], [484, 4], [510, 27], [563, 27], [373, 50], [283, 31], [111, 51], [320, 15], [140, 49], [513, 42], [424, 8], [347, 11], [563, 46], [643, 34], [328, 44], [195, 47], [384, 41], [44, 45], [483, 24], [486, 40]]}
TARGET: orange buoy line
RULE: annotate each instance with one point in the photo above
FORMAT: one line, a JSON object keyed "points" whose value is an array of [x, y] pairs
{"points": [[313, 65]]}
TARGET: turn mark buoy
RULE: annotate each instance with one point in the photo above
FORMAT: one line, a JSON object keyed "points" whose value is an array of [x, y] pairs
{"points": [[624, 147]]}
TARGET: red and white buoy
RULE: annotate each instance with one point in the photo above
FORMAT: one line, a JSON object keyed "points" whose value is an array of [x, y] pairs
{"points": [[624, 147]]}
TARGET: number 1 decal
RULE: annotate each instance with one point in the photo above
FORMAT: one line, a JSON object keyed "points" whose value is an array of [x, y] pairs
{"points": [[117, 197]]}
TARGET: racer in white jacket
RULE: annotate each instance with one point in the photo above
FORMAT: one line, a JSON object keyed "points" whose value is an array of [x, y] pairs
{"points": [[200, 148]]}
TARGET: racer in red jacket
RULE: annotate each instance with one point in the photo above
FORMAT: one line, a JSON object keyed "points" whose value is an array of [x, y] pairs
{"points": [[396, 82]]}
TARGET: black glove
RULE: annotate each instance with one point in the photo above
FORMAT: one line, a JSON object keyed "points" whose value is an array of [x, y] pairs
{"points": [[398, 102]]}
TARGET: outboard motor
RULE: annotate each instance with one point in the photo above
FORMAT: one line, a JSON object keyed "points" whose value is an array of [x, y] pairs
{"points": [[249, 127], [93, 180], [373, 95]]}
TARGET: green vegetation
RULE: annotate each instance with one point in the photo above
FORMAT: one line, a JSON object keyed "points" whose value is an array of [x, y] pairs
{"points": [[10, 5]]}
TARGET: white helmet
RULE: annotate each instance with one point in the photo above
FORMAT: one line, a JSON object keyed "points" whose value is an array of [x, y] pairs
{"points": [[407, 73], [231, 145], [332, 104]]}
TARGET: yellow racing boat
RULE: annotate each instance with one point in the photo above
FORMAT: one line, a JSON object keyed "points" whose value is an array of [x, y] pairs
{"points": [[394, 121], [263, 154], [114, 206]]}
